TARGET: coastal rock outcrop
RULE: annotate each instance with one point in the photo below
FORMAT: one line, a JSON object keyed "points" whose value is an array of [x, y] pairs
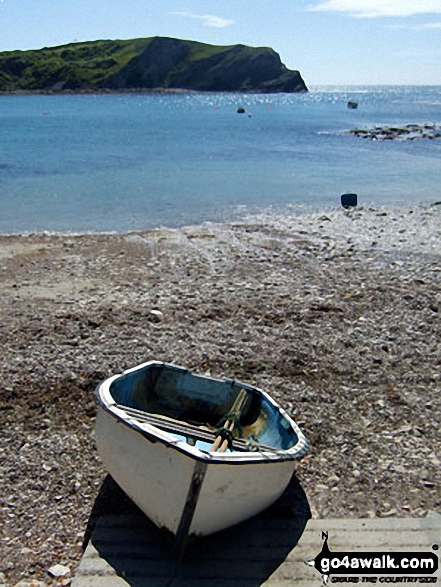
{"points": [[410, 132], [158, 63]]}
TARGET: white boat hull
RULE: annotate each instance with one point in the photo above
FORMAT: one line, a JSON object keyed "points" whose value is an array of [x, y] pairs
{"points": [[157, 478]]}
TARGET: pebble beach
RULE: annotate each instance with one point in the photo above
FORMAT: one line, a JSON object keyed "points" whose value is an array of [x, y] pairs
{"points": [[336, 314]]}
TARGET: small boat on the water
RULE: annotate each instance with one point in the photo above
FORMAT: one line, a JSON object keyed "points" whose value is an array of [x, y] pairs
{"points": [[352, 105], [196, 454]]}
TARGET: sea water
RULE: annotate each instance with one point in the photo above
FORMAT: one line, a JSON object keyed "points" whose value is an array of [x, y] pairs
{"points": [[121, 162]]}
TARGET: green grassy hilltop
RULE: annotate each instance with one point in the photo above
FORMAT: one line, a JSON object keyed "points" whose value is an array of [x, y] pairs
{"points": [[151, 63]]}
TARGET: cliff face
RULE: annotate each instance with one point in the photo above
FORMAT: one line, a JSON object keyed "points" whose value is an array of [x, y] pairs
{"points": [[169, 63], [151, 68], [148, 64]]}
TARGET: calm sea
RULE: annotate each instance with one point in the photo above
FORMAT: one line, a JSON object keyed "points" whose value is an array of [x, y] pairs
{"points": [[124, 162]]}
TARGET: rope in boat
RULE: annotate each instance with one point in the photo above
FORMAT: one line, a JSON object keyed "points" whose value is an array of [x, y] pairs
{"points": [[225, 434]]}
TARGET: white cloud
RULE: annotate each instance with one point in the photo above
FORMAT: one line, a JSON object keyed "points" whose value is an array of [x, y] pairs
{"points": [[426, 26], [208, 19], [377, 8], [431, 25]]}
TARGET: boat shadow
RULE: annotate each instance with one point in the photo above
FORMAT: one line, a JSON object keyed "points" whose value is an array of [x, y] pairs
{"points": [[123, 542]]}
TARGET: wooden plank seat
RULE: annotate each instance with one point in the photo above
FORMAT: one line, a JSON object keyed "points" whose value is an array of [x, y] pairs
{"points": [[192, 431]]}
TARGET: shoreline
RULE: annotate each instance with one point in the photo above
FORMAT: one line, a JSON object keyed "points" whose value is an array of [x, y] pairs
{"points": [[272, 214], [123, 91], [336, 314], [314, 88]]}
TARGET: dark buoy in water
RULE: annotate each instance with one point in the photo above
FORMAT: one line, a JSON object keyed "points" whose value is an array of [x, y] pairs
{"points": [[349, 200], [241, 110]]}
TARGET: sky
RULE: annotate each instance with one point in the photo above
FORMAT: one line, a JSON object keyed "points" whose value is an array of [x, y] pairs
{"points": [[331, 42]]}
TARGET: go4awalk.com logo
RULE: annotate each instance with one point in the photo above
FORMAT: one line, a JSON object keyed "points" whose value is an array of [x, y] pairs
{"points": [[372, 567]]}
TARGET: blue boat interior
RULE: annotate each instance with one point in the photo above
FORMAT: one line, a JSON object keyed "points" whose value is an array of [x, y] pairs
{"points": [[177, 393]]}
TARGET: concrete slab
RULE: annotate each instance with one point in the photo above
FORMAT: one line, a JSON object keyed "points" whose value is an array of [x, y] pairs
{"points": [[267, 551]]}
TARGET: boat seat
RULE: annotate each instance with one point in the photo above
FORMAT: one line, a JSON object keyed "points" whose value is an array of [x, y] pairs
{"points": [[193, 431]]}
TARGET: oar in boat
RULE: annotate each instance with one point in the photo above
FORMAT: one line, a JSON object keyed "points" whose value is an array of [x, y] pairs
{"points": [[232, 418]]}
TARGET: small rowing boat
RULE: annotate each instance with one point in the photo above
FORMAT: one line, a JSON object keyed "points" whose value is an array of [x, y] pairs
{"points": [[196, 454]]}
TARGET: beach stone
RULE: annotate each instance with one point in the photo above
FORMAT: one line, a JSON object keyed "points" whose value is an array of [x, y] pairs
{"points": [[388, 513], [155, 316], [59, 571]]}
